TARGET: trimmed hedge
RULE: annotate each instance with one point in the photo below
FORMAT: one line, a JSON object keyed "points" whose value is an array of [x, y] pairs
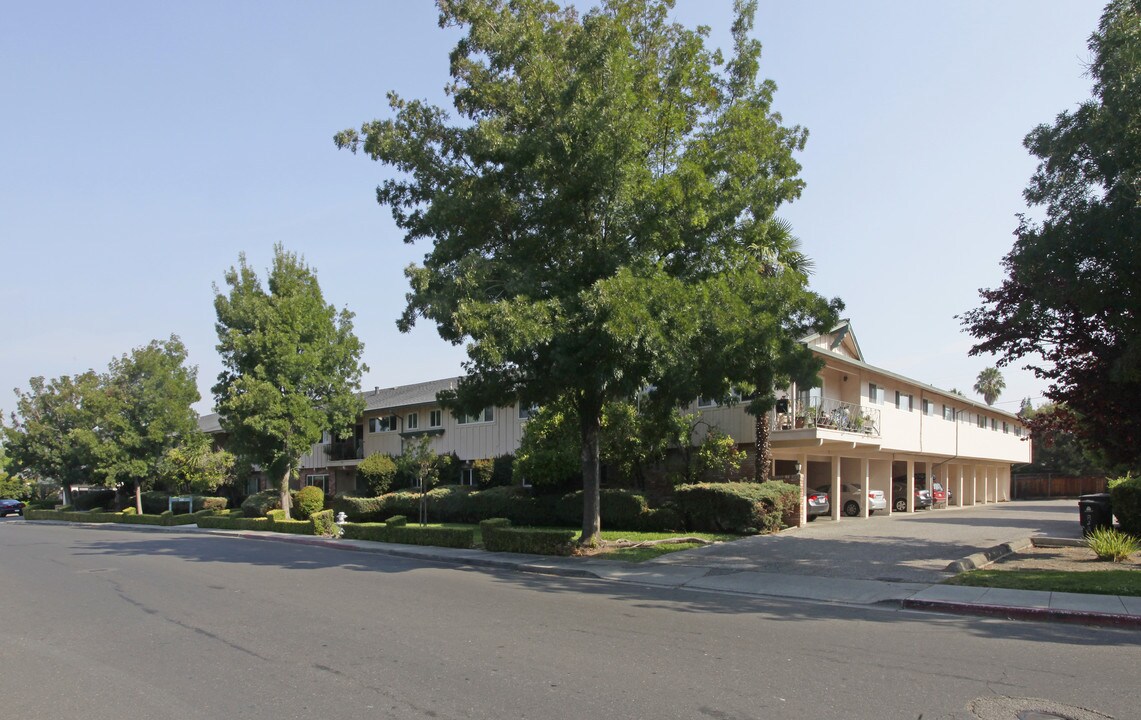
{"points": [[324, 524], [93, 499], [166, 519], [156, 502], [258, 504], [737, 507], [499, 536], [231, 522], [308, 500], [411, 534], [279, 523], [1125, 497]]}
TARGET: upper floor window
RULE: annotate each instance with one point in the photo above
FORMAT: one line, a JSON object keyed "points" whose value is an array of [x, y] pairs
{"points": [[902, 401], [485, 415], [326, 437], [928, 407], [1018, 431], [980, 420], [993, 424], [948, 413], [1005, 428], [875, 394], [435, 418], [412, 421], [704, 402], [527, 411], [382, 424]]}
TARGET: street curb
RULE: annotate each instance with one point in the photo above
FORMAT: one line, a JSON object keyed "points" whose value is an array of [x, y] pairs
{"points": [[1076, 617], [1049, 542], [986, 557]]}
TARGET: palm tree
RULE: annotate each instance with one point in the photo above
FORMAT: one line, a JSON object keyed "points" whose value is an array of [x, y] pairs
{"points": [[777, 252], [990, 384]]}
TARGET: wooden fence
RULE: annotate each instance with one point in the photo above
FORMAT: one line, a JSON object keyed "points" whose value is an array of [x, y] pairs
{"points": [[1032, 487]]}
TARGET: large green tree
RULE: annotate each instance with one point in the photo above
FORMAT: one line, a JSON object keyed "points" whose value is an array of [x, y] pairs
{"points": [[50, 435], [291, 365], [1071, 301], [144, 410], [607, 181]]}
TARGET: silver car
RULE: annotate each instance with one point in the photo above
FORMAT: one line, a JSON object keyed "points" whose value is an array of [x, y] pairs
{"points": [[852, 498]]}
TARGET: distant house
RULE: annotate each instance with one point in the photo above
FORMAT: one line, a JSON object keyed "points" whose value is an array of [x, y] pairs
{"points": [[864, 426]]}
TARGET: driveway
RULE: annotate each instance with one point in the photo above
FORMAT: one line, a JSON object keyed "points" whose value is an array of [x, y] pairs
{"points": [[902, 547]]}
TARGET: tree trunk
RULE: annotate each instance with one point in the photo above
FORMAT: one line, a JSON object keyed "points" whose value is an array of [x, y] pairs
{"points": [[762, 449], [591, 422], [138, 498], [285, 490]]}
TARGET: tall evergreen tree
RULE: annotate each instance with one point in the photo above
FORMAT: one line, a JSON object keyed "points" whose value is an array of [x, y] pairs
{"points": [[291, 366]]}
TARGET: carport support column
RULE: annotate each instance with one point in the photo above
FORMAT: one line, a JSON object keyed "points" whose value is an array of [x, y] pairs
{"points": [[959, 488], [802, 461], [910, 486], [834, 496], [865, 485]]}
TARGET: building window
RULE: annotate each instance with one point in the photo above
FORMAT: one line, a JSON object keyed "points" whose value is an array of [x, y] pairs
{"points": [[526, 412], [980, 420], [948, 413], [435, 418], [321, 481], [928, 407], [1005, 428], [382, 424], [875, 394], [704, 402], [412, 421], [467, 476], [1018, 431], [993, 424], [486, 415], [902, 401]]}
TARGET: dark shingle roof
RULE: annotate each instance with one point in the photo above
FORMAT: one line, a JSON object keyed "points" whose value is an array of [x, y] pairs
{"points": [[406, 395]]}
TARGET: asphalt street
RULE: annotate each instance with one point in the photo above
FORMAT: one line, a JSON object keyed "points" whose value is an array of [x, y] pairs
{"points": [[106, 623]]}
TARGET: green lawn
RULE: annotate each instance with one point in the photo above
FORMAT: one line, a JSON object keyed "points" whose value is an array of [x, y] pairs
{"points": [[1095, 582], [626, 554]]}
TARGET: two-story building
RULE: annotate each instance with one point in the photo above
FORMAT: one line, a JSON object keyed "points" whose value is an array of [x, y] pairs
{"points": [[863, 427]]}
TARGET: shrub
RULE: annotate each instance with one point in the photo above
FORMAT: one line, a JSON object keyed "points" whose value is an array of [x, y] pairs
{"points": [[502, 470], [451, 503], [737, 507], [359, 509], [619, 509], [499, 536], [231, 522], [258, 504], [129, 511], [1111, 544], [308, 500], [324, 524], [516, 504], [1125, 496], [376, 473], [93, 499], [411, 535], [663, 519], [396, 521]]}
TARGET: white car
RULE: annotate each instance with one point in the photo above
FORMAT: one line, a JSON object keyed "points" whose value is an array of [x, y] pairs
{"points": [[851, 496]]}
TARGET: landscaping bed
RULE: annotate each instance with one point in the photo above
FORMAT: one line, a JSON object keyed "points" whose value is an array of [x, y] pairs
{"points": [[1064, 569]]}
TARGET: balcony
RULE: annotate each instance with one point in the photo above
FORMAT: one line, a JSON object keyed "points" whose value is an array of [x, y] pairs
{"points": [[827, 414], [343, 450]]}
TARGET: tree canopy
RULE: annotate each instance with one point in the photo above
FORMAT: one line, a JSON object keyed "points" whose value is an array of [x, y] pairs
{"points": [[990, 384], [599, 212], [291, 365], [1070, 303], [144, 412]]}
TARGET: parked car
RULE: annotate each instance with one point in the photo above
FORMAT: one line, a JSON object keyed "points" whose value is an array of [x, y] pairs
{"points": [[938, 494], [11, 506], [818, 504], [851, 497], [899, 495]]}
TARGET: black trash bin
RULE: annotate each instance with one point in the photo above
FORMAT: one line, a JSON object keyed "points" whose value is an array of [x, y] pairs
{"points": [[1095, 512]]}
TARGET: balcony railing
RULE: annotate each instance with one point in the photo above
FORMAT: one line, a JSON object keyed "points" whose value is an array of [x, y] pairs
{"points": [[827, 414], [345, 450]]}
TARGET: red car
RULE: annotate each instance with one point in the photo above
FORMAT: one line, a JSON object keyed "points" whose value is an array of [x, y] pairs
{"points": [[11, 506], [938, 494]]}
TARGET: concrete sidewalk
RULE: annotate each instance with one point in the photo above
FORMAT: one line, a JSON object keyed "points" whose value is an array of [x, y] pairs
{"points": [[1110, 610]]}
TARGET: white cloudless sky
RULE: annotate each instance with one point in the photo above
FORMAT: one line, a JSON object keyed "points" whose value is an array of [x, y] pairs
{"points": [[144, 145]]}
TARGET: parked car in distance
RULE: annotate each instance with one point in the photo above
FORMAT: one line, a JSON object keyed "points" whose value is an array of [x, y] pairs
{"points": [[11, 506], [899, 495], [818, 504], [938, 494], [851, 497]]}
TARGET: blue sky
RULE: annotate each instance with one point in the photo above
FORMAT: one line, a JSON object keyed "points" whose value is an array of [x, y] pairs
{"points": [[145, 145]]}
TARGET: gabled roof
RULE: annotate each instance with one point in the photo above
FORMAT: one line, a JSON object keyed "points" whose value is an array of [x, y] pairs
{"points": [[210, 424], [840, 336], [407, 395]]}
